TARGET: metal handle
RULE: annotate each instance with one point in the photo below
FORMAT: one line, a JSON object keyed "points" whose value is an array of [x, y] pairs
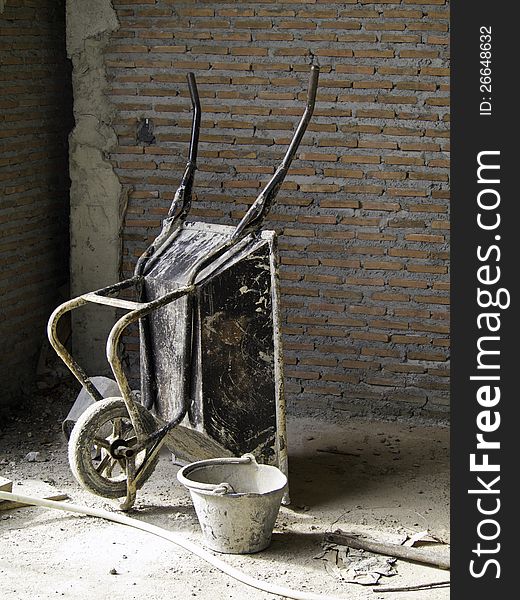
{"points": [[218, 489], [252, 220], [102, 296], [181, 202], [195, 124], [306, 117]]}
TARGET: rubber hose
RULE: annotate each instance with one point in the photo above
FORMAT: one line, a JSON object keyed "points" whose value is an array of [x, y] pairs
{"points": [[171, 537]]}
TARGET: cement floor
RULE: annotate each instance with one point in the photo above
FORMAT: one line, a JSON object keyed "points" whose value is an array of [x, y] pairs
{"points": [[381, 479]]}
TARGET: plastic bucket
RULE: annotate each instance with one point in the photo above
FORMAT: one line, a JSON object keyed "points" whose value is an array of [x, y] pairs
{"points": [[236, 501]]}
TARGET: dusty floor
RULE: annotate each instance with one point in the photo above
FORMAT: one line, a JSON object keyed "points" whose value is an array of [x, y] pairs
{"points": [[381, 479]]}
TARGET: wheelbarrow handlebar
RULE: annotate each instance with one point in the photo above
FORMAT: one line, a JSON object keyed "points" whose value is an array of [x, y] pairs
{"points": [[182, 200], [252, 220], [306, 117], [136, 311], [195, 125]]}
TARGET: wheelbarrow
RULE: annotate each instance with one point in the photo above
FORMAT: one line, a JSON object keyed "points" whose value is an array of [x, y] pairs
{"points": [[207, 302]]}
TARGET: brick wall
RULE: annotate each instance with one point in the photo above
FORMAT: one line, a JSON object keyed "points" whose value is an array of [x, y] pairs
{"points": [[364, 213], [34, 107]]}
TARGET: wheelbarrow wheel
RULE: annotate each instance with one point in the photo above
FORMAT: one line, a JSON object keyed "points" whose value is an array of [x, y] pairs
{"points": [[91, 463]]}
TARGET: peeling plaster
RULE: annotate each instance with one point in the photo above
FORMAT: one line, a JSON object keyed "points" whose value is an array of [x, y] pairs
{"points": [[96, 195], [87, 19], [2, 5]]}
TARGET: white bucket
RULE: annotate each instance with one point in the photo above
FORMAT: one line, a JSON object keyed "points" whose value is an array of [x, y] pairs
{"points": [[236, 501]]}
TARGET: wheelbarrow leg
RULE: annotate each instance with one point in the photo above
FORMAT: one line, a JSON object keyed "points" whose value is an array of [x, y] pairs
{"points": [[131, 488]]}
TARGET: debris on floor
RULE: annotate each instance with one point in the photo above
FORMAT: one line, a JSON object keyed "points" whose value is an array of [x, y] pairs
{"points": [[414, 588], [356, 566], [37, 456], [422, 537]]}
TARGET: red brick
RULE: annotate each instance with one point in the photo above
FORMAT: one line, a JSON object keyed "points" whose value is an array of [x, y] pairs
{"points": [[365, 196]]}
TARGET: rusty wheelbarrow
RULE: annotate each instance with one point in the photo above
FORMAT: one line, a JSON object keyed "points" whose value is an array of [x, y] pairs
{"points": [[206, 299]]}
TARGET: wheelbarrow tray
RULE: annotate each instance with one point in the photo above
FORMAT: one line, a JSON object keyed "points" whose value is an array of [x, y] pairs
{"points": [[234, 370]]}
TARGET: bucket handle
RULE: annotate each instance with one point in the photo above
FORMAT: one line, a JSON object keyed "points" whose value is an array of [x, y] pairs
{"points": [[219, 489]]}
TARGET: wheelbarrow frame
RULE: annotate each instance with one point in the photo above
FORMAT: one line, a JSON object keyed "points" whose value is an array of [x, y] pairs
{"points": [[247, 229]]}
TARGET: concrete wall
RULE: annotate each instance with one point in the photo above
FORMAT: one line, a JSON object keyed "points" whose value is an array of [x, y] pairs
{"points": [[363, 215], [35, 118], [96, 192]]}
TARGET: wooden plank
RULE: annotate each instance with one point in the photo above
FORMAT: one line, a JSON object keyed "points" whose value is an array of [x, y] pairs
{"points": [[6, 485], [10, 504], [410, 554]]}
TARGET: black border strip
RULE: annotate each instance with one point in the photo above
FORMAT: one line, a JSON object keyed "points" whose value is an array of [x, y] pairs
{"points": [[472, 133]]}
